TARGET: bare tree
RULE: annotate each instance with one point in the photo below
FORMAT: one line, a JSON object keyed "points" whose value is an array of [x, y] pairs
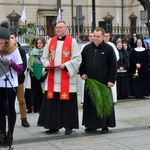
{"points": [[146, 6]]}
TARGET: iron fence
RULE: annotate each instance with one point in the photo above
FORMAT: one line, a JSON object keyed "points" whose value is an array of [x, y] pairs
{"points": [[84, 30]]}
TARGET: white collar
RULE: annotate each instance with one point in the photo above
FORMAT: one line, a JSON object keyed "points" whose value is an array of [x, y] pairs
{"points": [[139, 49]]}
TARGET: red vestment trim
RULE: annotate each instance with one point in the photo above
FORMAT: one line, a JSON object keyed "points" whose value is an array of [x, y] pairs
{"points": [[66, 55]]}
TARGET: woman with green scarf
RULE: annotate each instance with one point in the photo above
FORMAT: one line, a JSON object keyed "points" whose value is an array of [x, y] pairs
{"points": [[36, 68]]}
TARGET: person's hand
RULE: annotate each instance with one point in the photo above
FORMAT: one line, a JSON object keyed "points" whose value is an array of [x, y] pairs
{"points": [[121, 68], [5, 61], [110, 84], [84, 76], [62, 66], [138, 65]]}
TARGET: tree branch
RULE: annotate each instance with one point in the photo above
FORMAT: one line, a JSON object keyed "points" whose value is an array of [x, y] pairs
{"points": [[144, 3]]}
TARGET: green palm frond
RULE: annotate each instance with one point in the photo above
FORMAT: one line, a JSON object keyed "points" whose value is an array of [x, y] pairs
{"points": [[101, 97]]}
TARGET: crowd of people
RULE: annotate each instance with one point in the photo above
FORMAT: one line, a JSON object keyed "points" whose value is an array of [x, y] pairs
{"points": [[133, 69], [46, 80]]}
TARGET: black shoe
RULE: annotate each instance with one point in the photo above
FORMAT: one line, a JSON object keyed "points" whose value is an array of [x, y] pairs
{"points": [[8, 140], [25, 123], [137, 97], [68, 131], [105, 130], [52, 131], [141, 97], [29, 111], [36, 111], [90, 130], [2, 140]]}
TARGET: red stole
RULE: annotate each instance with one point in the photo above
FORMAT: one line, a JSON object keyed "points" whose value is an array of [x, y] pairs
{"points": [[65, 56]]}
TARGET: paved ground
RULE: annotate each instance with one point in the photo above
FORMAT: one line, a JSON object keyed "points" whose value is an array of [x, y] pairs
{"points": [[132, 132]]}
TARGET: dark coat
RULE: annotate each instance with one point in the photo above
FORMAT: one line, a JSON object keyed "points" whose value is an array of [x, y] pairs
{"points": [[123, 86], [98, 62], [21, 77], [133, 43], [123, 60]]}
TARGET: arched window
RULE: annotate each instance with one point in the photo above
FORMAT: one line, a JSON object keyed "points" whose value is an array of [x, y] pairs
{"points": [[108, 22], [133, 18], [14, 21], [14, 18]]}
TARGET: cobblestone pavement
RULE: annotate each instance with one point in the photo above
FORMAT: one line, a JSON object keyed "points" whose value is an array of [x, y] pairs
{"points": [[131, 132], [136, 105]]}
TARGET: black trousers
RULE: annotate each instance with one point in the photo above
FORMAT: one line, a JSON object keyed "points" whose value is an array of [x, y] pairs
{"points": [[7, 109], [28, 99], [37, 94]]}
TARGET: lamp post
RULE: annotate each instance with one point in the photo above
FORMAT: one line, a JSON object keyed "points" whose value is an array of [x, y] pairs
{"points": [[58, 4], [72, 18], [93, 15], [122, 17]]}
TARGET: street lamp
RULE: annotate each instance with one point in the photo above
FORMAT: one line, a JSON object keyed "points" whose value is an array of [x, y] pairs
{"points": [[122, 17], [72, 17], [58, 4], [93, 15]]}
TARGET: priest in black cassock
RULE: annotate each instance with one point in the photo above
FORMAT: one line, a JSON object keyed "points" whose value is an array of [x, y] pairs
{"points": [[99, 63]]}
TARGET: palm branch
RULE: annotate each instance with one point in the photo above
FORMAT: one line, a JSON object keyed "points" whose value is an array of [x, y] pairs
{"points": [[101, 97]]}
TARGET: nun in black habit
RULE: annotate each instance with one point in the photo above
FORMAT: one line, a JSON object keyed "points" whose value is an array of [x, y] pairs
{"points": [[138, 71]]}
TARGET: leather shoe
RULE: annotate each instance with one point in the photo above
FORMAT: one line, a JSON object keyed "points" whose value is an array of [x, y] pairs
{"points": [[25, 123], [29, 111], [90, 130], [68, 131], [105, 130], [9, 140], [51, 131], [2, 140]]}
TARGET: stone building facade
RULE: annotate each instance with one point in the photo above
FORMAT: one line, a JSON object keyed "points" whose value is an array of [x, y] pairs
{"points": [[111, 13]]}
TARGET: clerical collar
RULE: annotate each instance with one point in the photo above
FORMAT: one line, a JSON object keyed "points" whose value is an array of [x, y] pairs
{"points": [[61, 38]]}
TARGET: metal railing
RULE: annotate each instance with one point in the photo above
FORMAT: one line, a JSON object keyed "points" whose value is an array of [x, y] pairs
{"points": [[85, 30]]}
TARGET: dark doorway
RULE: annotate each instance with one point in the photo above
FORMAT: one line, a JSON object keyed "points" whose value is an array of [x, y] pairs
{"points": [[133, 26], [50, 22]]}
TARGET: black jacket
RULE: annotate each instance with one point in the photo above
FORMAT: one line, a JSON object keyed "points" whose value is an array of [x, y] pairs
{"points": [[99, 62], [21, 76]]}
